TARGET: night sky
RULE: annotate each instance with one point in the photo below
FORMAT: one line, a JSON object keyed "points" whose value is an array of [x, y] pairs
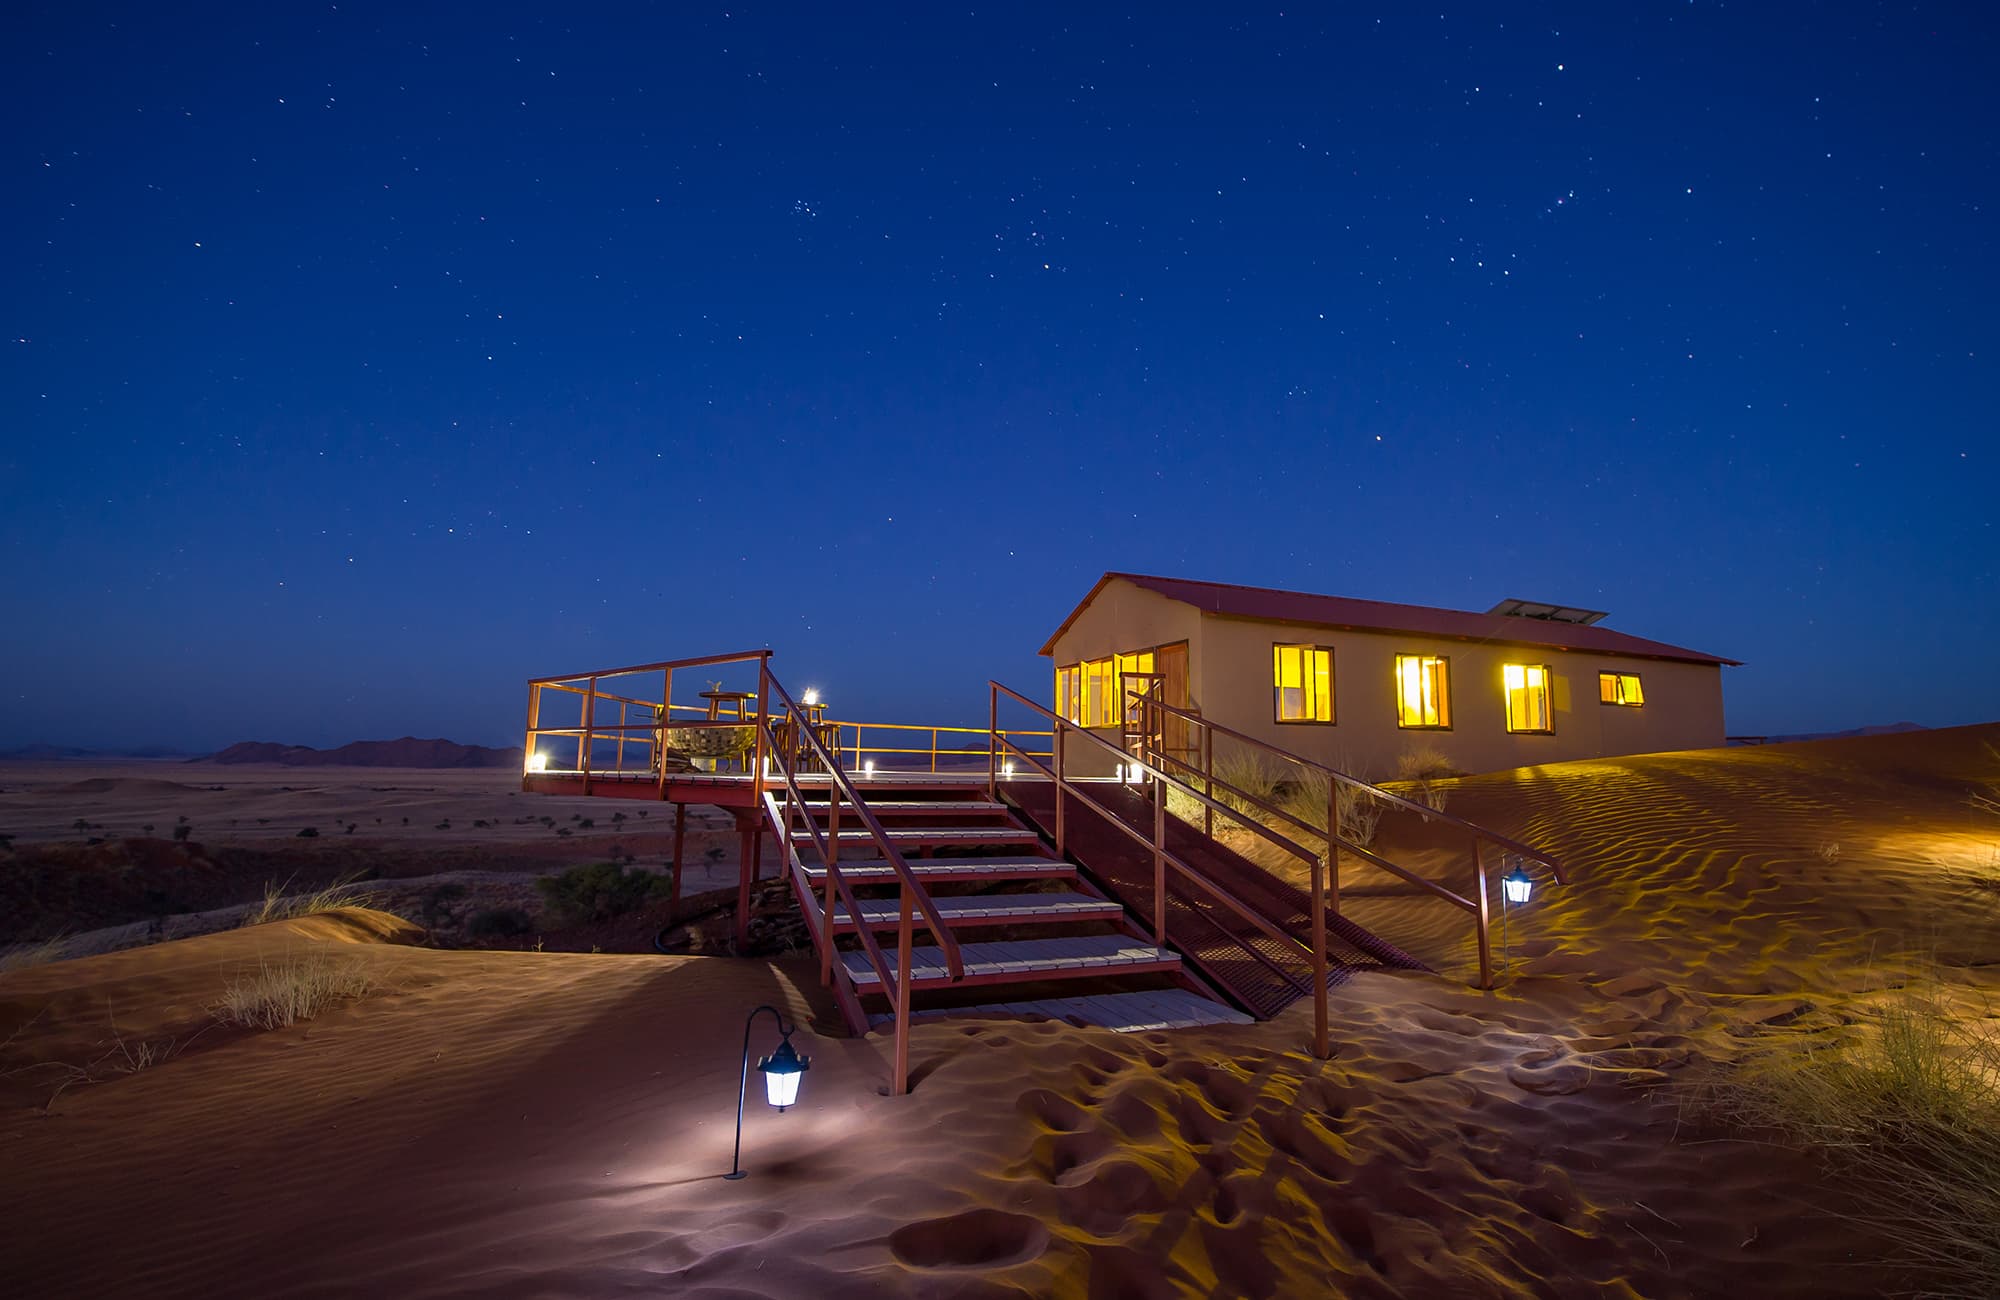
{"points": [[361, 361]]}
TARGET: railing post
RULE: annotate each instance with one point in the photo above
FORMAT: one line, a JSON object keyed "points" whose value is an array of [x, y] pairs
{"points": [[992, 743], [1056, 744], [1320, 1047], [1159, 863], [903, 996], [763, 713], [1485, 938], [583, 742], [1333, 840], [1208, 779], [534, 723], [934, 743]]}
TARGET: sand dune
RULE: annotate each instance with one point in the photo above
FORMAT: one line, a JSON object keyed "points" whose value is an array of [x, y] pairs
{"points": [[527, 1124]]}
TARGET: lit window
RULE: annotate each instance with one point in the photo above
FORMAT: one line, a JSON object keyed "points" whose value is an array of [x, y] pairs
{"points": [[1423, 691], [1137, 662], [1620, 688], [1302, 680], [1528, 697], [1069, 698], [1100, 680]]}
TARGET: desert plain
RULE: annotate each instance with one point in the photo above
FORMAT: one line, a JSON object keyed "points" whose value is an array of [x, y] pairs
{"points": [[470, 1119]]}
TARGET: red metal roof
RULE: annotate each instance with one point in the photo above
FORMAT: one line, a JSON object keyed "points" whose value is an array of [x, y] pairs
{"points": [[1302, 607]]}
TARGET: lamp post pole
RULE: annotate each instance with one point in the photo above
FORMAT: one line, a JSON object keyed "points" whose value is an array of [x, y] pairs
{"points": [[784, 1064]]}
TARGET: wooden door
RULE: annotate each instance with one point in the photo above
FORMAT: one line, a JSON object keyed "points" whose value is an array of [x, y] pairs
{"points": [[1171, 663]]}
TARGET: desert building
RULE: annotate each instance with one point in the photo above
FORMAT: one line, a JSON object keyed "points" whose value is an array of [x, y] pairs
{"points": [[1356, 684]]}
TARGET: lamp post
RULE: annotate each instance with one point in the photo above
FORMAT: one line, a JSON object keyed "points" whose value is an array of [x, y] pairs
{"points": [[782, 1070], [1515, 887]]}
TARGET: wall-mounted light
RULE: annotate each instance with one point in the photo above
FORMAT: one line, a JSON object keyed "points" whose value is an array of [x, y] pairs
{"points": [[538, 762], [782, 1071]]}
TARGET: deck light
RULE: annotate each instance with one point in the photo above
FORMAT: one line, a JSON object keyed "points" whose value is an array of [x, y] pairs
{"points": [[868, 767], [782, 1071], [811, 697], [1517, 885], [1007, 768], [538, 762]]}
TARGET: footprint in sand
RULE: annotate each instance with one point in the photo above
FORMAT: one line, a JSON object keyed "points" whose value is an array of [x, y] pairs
{"points": [[974, 1239]]}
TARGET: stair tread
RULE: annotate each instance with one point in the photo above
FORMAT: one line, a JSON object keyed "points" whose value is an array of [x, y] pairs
{"points": [[1125, 1013], [984, 905], [872, 870], [911, 805], [1023, 959], [957, 834]]}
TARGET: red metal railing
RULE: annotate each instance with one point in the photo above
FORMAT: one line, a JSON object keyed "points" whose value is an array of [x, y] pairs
{"points": [[1164, 858], [1149, 740], [913, 897]]}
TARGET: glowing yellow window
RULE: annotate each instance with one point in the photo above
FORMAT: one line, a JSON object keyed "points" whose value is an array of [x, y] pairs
{"points": [[1423, 691], [1620, 688], [1100, 692], [1069, 696], [1528, 697], [1138, 662], [1302, 682]]}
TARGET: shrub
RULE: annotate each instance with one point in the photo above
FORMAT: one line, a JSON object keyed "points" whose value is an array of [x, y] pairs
{"points": [[499, 923], [181, 832], [1424, 763], [599, 891], [295, 990], [436, 908], [308, 832]]}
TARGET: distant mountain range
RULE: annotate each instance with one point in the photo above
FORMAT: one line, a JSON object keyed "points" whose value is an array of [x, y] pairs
{"points": [[407, 752], [1884, 729], [48, 753]]}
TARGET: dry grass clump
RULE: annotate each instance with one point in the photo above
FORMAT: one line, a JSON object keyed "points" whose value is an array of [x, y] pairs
{"points": [[1909, 1110], [1427, 767], [1251, 774], [23, 955], [1358, 811], [293, 990], [278, 905]]}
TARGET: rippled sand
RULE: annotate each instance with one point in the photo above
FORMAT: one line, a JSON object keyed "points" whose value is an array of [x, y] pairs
{"points": [[526, 1124]]}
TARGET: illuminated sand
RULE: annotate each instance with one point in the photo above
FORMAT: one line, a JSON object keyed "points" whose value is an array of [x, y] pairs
{"points": [[542, 1124]]}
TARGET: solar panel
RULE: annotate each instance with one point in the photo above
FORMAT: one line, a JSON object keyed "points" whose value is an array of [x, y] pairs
{"points": [[1546, 612]]}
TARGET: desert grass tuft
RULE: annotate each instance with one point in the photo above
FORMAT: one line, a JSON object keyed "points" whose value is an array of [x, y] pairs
{"points": [[295, 989], [1908, 1110], [1358, 811], [280, 905], [22, 956]]}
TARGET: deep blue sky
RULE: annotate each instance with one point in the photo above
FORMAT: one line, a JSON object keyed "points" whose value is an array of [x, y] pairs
{"points": [[362, 361]]}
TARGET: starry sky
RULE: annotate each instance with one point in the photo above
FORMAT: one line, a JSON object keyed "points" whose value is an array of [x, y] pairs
{"points": [[361, 361]]}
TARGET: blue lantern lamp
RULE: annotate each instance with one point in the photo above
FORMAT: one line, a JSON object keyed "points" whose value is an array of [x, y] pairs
{"points": [[783, 1070], [1516, 887]]}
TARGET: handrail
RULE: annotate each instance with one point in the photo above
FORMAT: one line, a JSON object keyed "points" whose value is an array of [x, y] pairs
{"points": [[1375, 791], [1479, 907], [1262, 922], [701, 661], [1162, 858]]}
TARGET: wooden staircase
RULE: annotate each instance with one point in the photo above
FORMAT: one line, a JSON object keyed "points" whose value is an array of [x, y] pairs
{"points": [[1037, 933]]}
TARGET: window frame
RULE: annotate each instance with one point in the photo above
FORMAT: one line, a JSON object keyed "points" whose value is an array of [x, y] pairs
{"points": [[1548, 689], [1621, 702], [1070, 710], [1332, 717], [1444, 698]]}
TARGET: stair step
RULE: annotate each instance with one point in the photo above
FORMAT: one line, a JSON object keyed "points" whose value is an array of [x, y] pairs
{"points": [[1030, 959], [1125, 1013], [875, 871], [902, 807], [938, 835], [990, 909]]}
